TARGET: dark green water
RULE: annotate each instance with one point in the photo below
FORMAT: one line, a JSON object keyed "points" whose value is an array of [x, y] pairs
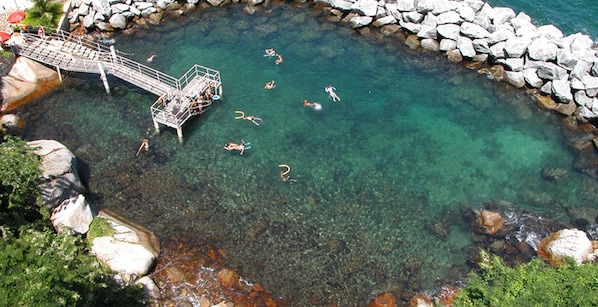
{"points": [[413, 141]]}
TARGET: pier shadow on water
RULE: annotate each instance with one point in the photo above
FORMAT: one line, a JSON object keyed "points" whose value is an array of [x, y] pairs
{"points": [[413, 141]]}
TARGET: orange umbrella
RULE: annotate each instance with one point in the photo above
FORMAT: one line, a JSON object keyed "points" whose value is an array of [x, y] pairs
{"points": [[16, 17], [4, 36]]}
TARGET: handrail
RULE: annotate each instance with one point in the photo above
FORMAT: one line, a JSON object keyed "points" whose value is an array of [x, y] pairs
{"points": [[107, 54]]}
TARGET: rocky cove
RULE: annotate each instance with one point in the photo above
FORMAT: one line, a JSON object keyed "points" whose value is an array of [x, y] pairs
{"points": [[485, 237]]}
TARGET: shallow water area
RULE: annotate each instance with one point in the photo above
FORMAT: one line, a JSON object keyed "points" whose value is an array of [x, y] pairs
{"points": [[412, 141]]}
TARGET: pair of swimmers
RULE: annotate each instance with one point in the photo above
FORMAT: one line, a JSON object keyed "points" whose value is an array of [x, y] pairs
{"points": [[271, 52]]}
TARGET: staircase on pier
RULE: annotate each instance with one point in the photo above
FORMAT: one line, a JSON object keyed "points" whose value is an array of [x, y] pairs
{"points": [[178, 99]]}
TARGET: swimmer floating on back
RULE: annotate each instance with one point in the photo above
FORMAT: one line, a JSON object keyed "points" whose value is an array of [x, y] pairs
{"points": [[250, 118], [151, 57], [240, 147], [270, 52], [270, 85], [330, 90], [314, 105]]}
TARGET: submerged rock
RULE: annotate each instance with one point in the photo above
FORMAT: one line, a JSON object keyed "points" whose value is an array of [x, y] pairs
{"points": [[490, 222]]}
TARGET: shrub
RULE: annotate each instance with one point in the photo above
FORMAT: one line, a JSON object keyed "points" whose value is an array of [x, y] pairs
{"points": [[531, 284], [20, 176], [44, 13]]}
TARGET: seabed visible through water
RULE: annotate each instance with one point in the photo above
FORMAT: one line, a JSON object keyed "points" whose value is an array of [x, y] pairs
{"points": [[413, 141]]}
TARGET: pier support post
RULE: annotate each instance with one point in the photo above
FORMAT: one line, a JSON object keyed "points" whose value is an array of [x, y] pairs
{"points": [[157, 127], [59, 74], [104, 78], [113, 52], [179, 133]]}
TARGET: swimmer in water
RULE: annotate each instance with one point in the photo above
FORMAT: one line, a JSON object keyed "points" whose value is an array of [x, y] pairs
{"points": [[330, 90], [240, 147], [250, 118], [314, 105], [270, 52], [151, 57], [278, 60], [270, 85]]}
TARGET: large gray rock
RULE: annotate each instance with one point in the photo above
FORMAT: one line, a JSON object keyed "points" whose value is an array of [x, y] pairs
{"points": [[515, 78], [450, 17], [466, 12], [481, 45], [366, 7], [360, 21], [430, 44], [500, 35], [561, 89], [516, 46], [447, 44], [118, 21], [405, 5], [581, 69], [131, 250], [472, 30], [465, 46], [502, 15], [550, 71], [450, 31], [497, 50], [427, 31], [72, 215], [566, 59], [337, 4], [531, 77], [550, 32], [542, 49], [414, 17], [59, 168]]}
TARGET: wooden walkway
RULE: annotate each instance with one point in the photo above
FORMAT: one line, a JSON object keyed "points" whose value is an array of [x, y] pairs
{"points": [[179, 99]]}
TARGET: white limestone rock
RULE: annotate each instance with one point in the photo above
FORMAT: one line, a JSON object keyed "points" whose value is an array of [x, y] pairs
{"points": [[341, 5], [430, 44], [386, 20], [542, 49], [427, 31], [465, 46], [450, 31], [502, 15], [425, 6], [516, 46], [118, 21], [531, 78], [406, 5], [472, 30], [550, 32], [561, 89], [481, 45], [500, 35], [360, 21], [497, 51], [466, 12], [413, 17], [550, 71], [515, 78], [566, 59], [447, 44], [450, 17], [365, 7]]}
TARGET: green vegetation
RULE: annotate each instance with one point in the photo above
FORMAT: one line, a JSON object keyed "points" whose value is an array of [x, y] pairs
{"points": [[39, 267], [99, 228], [44, 13], [531, 284], [5, 53]]}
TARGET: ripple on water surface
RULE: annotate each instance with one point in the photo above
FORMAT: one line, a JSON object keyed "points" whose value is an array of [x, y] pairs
{"points": [[412, 141]]}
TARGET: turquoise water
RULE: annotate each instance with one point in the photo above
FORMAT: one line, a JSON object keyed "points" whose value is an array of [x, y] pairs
{"points": [[412, 142], [569, 16]]}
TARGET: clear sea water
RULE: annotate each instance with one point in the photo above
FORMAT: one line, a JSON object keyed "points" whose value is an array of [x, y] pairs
{"points": [[412, 142]]}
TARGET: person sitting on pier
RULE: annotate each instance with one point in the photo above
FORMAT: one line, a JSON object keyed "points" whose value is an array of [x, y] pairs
{"points": [[240, 147], [314, 105], [250, 118], [270, 85], [208, 94], [330, 90], [41, 32], [151, 57], [278, 60], [270, 52]]}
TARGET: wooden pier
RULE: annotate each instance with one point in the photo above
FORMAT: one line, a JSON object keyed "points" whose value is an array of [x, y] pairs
{"points": [[178, 99]]}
